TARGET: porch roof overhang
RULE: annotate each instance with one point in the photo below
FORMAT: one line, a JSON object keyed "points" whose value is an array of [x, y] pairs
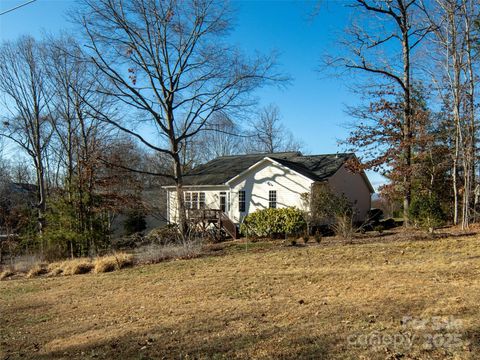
{"points": [[203, 187]]}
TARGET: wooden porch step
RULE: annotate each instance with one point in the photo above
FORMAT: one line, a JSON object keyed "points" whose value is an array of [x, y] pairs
{"points": [[214, 216]]}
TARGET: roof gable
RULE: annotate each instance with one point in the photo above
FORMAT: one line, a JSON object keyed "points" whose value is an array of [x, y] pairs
{"points": [[220, 170], [223, 169]]}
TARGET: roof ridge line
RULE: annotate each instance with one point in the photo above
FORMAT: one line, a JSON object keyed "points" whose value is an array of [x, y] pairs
{"points": [[260, 154]]}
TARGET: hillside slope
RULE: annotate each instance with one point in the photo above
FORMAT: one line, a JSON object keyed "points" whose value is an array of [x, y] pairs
{"points": [[409, 300]]}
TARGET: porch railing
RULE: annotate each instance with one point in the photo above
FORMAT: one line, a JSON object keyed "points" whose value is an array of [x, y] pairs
{"points": [[216, 217]]}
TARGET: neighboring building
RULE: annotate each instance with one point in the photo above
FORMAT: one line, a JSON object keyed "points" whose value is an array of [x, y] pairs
{"points": [[241, 184], [153, 205], [14, 196]]}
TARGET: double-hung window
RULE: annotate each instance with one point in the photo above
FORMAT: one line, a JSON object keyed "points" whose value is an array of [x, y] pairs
{"points": [[201, 200], [188, 200], [241, 201], [194, 200], [272, 199]]}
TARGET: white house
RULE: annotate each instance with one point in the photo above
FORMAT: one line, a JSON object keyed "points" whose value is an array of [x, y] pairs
{"points": [[241, 184]]}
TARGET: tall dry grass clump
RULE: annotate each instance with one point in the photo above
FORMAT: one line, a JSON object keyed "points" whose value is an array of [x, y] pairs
{"points": [[344, 227], [37, 270], [113, 262], [76, 266], [55, 268], [5, 274], [72, 266]]}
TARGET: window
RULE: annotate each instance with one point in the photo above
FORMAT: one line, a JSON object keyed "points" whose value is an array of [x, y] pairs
{"points": [[188, 200], [223, 201], [272, 199], [241, 201], [194, 200]]}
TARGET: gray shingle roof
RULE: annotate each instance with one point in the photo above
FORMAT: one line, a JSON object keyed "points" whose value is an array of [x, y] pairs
{"points": [[222, 169], [316, 167]]}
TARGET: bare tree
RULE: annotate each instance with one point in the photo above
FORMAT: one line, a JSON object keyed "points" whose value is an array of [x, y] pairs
{"points": [[454, 77], [268, 134], [26, 123], [221, 136], [80, 138], [382, 47], [21, 172], [4, 167], [168, 61], [470, 10], [3, 161]]}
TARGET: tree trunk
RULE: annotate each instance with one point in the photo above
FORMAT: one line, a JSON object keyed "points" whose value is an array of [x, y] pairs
{"points": [[454, 179], [452, 52], [182, 218], [407, 125], [471, 108], [40, 173]]}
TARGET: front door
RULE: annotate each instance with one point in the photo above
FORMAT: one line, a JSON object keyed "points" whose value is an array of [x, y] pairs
{"points": [[223, 201]]}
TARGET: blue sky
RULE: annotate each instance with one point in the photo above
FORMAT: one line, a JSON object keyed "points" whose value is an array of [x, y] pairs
{"points": [[312, 107]]}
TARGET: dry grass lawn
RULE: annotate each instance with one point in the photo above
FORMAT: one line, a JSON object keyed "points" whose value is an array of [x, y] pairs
{"points": [[285, 302]]}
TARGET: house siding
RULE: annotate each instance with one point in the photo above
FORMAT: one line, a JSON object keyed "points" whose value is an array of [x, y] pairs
{"points": [[289, 185], [257, 183], [212, 199], [355, 189]]}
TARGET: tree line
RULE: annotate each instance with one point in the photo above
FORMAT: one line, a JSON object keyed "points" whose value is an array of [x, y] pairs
{"points": [[416, 68], [149, 91], [146, 90]]}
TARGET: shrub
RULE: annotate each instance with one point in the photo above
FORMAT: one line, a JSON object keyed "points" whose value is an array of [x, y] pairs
{"points": [[344, 227], [72, 231], [322, 205], [318, 237], [154, 253], [113, 262], [305, 238], [165, 235], [293, 242], [378, 228], [426, 212], [274, 222], [128, 242], [135, 222]]}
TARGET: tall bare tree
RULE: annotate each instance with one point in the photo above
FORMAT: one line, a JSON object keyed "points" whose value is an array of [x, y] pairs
{"points": [[168, 61], [470, 14], [80, 138], [268, 134], [27, 95], [220, 137], [381, 46], [453, 73]]}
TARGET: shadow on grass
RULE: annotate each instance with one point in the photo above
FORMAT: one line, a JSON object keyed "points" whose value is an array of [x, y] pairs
{"points": [[169, 342], [472, 338]]}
